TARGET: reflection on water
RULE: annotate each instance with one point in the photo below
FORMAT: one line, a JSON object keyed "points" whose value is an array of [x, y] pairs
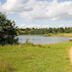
{"points": [[41, 39]]}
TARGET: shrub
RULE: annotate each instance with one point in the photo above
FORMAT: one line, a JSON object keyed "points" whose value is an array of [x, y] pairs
{"points": [[8, 30]]}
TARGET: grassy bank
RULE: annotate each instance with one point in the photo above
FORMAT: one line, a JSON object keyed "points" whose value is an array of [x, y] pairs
{"points": [[60, 34], [36, 58]]}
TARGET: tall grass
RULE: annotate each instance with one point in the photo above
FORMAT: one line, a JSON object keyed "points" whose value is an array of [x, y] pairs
{"points": [[6, 66], [35, 58]]}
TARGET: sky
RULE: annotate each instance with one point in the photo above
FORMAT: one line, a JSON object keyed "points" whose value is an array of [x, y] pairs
{"points": [[38, 13]]}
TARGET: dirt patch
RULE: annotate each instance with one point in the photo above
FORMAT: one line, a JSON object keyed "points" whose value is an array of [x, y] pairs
{"points": [[70, 54]]}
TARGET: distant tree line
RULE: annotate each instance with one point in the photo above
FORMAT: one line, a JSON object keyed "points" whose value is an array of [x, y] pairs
{"points": [[42, 31]]}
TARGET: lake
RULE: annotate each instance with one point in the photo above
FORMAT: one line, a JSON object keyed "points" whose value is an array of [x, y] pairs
{"points": [[41, 39]]}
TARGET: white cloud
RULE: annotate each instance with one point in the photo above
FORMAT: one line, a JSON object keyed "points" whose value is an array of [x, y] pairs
{"points": [[60, 10], [35, 9], [9, 5], [1, 9], [32, 25]]}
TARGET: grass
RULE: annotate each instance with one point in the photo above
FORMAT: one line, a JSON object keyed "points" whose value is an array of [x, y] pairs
{"points": [[65, 34], [60, 34], [37, 58]]}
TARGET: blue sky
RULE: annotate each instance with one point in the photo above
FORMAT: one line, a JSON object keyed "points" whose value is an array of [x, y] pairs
{"points": [[38, 13]]}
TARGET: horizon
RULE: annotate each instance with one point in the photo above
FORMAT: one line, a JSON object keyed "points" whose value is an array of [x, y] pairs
{"points": [[38, 13], [41, 27]]}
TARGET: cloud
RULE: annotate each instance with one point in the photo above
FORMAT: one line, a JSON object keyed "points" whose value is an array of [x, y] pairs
{"points": [[16, 5], [39, 9], [1, 9], [53, 11], [60, 10], [9, 5]]}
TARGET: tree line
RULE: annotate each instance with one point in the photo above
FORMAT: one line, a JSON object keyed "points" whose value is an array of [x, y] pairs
{"points": [[41, 31]]}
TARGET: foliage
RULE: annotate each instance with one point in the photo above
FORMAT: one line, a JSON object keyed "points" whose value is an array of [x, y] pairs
{"points": [[8, 30], [43, 31]]}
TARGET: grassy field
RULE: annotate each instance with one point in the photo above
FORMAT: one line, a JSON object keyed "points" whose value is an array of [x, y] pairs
{"points": [[35, 58], [60, 34]]}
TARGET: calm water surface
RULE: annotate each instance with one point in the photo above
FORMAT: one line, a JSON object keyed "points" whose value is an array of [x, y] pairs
{"points": [[41, 39]]}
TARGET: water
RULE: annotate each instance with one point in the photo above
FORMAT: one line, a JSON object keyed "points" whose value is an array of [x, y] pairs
{"points": [[41, 39]]}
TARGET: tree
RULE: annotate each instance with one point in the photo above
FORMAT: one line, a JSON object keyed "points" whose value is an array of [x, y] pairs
{"points": [[8, 30]]}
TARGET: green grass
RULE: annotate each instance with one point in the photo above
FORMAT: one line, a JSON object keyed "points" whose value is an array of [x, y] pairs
{"points": [[60, 34], [37, 58]]}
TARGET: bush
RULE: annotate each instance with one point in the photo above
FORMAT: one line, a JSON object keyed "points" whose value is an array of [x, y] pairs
{"points": [[8, 30]]}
